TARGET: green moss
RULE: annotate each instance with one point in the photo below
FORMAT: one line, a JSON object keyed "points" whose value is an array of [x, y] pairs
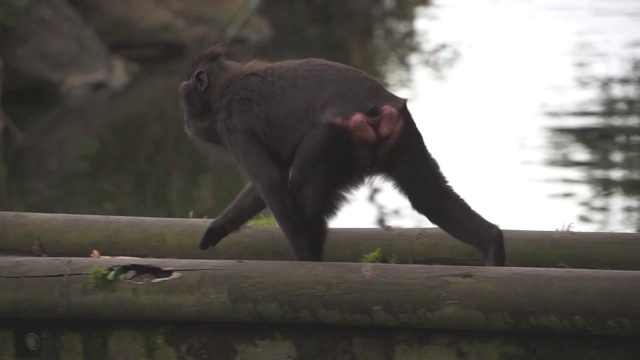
{"points": [[98, 277], [263, 220], [378, 257]]}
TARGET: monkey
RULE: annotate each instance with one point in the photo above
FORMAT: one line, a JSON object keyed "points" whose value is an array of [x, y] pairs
{"points": [[306, 132]]}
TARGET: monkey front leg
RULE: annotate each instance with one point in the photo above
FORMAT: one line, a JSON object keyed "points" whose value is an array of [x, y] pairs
{"points": [[245, 206], [273, 183]]}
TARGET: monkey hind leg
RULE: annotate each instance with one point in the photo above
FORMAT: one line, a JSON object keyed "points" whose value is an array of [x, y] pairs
{"points": [[324, 165], [421, 181], [418, 176]]}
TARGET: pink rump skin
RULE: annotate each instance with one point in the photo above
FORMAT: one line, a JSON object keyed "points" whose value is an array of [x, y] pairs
{"points": [[368, 130], [389, 121], [361, 129]]}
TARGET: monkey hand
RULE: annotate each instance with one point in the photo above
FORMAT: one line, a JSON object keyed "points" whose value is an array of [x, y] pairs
{"points": [[212, 236]]}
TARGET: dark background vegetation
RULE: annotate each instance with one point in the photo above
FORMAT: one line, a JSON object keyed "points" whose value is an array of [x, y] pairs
{"points": [[92, 117]]}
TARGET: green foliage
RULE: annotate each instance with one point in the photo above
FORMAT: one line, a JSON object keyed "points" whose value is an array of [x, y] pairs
{"points": [[115, 272], [378, 257], [101, 276], [98, 277], [190, 216], [9, 12], [166, 175], [263, 220]]}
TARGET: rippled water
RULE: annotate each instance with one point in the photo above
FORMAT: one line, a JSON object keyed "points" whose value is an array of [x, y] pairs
{"points": [[537, 122]]}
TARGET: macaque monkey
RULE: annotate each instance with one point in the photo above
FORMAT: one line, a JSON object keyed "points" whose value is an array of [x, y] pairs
{"points": [[306, 131]]}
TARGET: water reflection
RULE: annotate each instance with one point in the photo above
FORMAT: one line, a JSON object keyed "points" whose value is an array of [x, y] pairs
{"points": [[536, 124], [606, 152]]}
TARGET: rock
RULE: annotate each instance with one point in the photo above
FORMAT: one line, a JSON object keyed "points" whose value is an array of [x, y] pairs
{"points": [[50, 42], [198, 23], [76, 45], [129, 275]]}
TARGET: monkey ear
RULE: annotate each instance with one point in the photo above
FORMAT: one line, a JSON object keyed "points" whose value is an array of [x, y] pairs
{"points": [[202, 80]]}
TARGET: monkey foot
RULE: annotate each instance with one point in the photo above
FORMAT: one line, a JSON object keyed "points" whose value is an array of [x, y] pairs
{"points": [[495, 255]]}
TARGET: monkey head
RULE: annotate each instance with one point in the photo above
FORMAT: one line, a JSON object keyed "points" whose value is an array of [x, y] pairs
{"points": [[204, 74]]}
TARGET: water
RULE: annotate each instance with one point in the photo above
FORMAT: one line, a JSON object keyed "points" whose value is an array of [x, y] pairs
{"points": [[534, 117], [537, 122]]}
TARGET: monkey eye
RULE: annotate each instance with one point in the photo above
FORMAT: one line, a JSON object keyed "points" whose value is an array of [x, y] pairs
{"points": [[202, 81]]}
